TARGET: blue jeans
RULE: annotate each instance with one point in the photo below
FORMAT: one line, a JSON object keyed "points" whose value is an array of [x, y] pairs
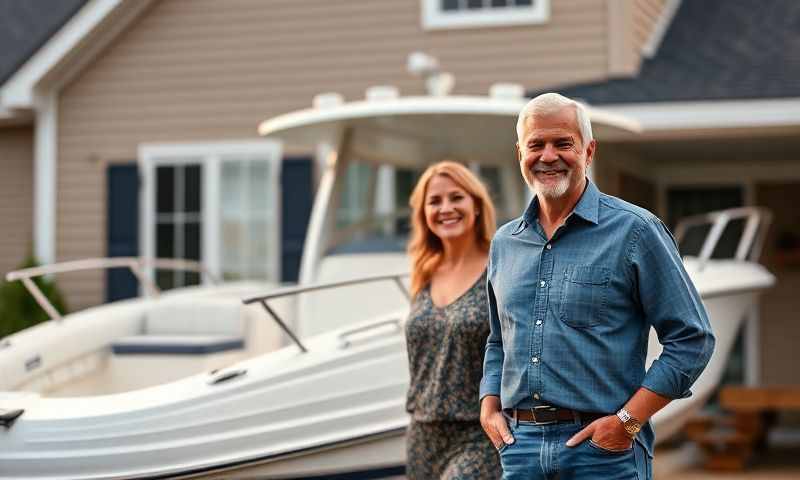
{"points": [[540, 453]]}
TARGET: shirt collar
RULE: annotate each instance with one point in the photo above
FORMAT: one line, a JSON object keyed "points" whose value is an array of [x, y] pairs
{"points": [[587, 207]]}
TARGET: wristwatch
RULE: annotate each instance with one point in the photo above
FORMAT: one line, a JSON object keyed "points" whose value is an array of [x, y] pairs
{"points": [[632, 425]]}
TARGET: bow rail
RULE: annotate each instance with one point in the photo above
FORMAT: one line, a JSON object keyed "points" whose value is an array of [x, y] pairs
{"points": [[136, 265]]}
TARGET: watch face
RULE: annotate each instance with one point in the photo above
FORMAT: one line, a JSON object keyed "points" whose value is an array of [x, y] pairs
{"points": [[624, 415]]}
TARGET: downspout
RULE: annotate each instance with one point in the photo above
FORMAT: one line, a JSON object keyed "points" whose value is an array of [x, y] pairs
{"points": [[44, 177]]}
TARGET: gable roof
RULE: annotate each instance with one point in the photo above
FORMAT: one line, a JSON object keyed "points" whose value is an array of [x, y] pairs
{"points": [[26, 25], [714, 50]]}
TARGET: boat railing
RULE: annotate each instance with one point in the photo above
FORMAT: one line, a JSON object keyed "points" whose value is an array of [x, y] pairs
{"points": [[751, 242], [136, 265], [397, 278]]}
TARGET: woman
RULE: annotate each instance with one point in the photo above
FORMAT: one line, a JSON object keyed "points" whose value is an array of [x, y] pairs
{"points": [[453, 222]]}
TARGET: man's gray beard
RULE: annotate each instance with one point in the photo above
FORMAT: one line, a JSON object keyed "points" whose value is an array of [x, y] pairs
{"points": [[551, 191]]}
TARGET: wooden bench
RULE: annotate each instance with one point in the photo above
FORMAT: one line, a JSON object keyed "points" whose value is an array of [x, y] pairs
{"points": [[729, 442]]}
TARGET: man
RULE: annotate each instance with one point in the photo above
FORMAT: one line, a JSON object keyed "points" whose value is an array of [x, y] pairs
{"points": [[574, 286]]}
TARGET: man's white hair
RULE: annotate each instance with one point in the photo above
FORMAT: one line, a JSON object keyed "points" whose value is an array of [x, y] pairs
{"points": [[550, 103]]}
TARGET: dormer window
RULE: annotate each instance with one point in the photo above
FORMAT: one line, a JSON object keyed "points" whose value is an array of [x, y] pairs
{"points": [[440, 14]]}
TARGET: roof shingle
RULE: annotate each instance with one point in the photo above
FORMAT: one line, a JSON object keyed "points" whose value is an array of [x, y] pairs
{"points": [[714, 50], [26, 25]]}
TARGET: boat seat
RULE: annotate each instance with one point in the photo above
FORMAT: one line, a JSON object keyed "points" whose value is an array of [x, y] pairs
{"points": [[188, 326], [176, 344]]}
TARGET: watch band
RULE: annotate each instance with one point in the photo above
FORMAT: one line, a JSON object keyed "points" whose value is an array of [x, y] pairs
{"points": [[632, 425]]}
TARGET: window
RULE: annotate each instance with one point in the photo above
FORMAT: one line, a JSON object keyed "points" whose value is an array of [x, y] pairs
{"points": [[438, 14], [247, 212], [217, 203], [177, 220]]}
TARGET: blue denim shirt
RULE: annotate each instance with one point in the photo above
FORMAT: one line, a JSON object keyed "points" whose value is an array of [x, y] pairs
{"points": [[570, 317]]}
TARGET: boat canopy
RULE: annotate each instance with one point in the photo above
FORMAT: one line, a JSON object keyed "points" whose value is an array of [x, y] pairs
{"points": [[419, 130]]}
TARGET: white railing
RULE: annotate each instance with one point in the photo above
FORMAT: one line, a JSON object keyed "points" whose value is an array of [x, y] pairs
{"points": [[397, 278], [136, 265], [751, 243]]}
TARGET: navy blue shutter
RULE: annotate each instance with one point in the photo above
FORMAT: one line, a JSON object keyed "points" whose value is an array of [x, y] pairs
{"points": [[296, 199], [122, 222]]}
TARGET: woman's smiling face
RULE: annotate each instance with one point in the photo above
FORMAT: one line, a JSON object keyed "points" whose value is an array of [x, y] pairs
{"points": [[449, 210]]}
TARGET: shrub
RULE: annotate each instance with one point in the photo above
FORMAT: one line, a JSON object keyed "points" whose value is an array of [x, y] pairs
{"points": [[18, 308]]}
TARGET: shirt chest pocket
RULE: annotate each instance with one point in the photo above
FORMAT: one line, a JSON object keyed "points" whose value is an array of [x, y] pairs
{"points": [[583, 296]]}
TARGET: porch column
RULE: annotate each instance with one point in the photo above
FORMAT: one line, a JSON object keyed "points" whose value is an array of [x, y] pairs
{"points": [[752, 350], [44, 178]]}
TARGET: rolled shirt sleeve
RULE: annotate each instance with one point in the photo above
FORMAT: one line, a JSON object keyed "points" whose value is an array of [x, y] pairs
{"points": [[493, 357], [673, 307]]}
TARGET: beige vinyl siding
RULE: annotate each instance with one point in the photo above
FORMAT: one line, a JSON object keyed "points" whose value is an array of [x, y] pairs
{"points": [[645, 15], [16, 196], [197, 70]]}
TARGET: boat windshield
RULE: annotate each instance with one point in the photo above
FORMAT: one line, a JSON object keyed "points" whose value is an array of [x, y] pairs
{"points": [[372, 210]]}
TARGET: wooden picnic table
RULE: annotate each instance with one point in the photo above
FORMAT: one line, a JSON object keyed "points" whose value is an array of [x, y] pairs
{"points": [[730, 442]]}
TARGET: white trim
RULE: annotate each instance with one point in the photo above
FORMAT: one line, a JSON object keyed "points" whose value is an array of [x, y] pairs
{"points": [[211, 221], [711, 114], [147, 204], [650, 47], [44, 178], [90, 30], [205, 149], [17, 92], [434, 18]]}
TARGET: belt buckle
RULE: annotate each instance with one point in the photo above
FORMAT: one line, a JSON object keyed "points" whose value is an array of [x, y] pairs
{"points": [[543, 411]]}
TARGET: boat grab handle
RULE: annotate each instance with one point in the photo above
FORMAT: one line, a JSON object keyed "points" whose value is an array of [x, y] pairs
{"points": [[344, 342], [226, 376], [262, 299]]}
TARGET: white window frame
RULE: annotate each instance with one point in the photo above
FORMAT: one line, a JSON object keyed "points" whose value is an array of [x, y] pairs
{"points": [[434, 18], [210, 155]]}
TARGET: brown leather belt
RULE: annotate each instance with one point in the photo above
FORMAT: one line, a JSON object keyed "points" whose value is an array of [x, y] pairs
{"points": [[545, 415]]}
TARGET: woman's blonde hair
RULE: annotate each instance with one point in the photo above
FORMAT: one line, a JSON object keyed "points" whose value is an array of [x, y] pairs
{"points": [[425, 248]]}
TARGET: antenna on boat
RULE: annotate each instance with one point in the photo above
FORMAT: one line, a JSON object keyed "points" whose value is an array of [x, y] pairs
{"points": [[437, 82]]}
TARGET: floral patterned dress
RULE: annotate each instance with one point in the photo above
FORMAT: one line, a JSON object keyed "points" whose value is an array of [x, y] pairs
{"points": [[445, 354]]}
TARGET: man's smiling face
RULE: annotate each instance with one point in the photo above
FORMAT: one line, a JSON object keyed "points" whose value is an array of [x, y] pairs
{"points": [[552, 156]]}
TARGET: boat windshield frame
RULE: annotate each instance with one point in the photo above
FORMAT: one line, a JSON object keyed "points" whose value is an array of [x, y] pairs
{"points": [[751, 243]]}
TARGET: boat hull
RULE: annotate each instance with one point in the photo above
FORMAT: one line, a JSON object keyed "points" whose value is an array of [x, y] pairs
{"points": [[338, 409]]}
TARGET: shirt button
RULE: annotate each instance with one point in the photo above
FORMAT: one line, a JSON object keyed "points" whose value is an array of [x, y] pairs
{"points": [[535, 359], [548, 246], [538, 322], [542, 283], [536, 396]]}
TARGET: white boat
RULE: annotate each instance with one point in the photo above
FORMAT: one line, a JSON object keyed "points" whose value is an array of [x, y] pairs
{"points": [[198, 383]]}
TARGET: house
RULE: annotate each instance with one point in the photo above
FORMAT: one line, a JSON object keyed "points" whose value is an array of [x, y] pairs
{"points": [[24, 28], [719, 102], [169, 93]]}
